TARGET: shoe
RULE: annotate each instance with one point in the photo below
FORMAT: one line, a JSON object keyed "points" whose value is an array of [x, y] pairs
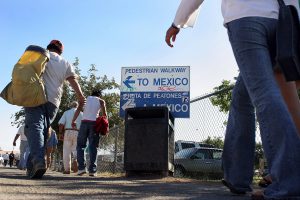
{"points": [[81, 172], [93, 174], [258, 195], [37, 172], [66, 172], [232, 189], [75, 166], [264, 182]]}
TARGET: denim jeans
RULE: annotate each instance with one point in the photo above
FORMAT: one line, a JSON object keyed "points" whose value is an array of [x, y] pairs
{"points": [[37, 120], [87, 131], [253, 40]]}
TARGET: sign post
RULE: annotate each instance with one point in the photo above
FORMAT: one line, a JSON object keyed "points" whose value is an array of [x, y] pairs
{"points": [[156, 86]]}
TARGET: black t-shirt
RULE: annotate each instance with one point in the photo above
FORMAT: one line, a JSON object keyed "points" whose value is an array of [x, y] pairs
{"points": [[11, 156]]}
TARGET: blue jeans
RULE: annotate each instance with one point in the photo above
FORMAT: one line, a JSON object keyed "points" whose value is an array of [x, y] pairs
{"points": [[87, 131], [253, 40], [37, 120]]}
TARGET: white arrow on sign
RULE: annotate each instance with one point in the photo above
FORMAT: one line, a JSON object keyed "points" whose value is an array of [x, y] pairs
{"points": [[129, 104]]}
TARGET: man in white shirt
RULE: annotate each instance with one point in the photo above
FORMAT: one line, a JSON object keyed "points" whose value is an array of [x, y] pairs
{"points": [[70, 137], [24, 149], [39, 118]]}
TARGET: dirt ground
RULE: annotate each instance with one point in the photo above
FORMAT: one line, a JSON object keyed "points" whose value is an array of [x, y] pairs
{"points": [[54, 185]]}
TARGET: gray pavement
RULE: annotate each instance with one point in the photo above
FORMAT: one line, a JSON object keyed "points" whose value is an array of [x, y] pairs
{"points": [[54, 185]]}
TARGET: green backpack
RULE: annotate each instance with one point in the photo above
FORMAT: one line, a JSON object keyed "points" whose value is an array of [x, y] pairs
{"points": [[27, 86]]}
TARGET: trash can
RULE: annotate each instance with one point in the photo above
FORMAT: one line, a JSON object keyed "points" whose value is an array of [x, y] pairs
{"points": [[149, 141]]}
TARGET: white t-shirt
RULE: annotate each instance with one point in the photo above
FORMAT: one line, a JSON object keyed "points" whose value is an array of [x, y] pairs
{"points": [[92, 108], [231, 10], [56, 72], [67, 117], [21, 133]]}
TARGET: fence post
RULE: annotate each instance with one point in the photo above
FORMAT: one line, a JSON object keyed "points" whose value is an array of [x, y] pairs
{"points": [[116, 150]]}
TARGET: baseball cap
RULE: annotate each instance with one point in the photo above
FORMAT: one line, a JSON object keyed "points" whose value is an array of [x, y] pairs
{"points": [[57, 45]]}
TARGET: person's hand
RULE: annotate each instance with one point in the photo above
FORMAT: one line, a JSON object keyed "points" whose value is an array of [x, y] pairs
{"points": [[171, 35], [74, 125]]}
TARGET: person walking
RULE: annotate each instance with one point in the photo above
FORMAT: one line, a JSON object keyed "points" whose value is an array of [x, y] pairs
{"points": [[23, 147], [5, 159], [251, 29], [39, 118], [51, 146], [70, 137], [93, 107], [11, 158]]}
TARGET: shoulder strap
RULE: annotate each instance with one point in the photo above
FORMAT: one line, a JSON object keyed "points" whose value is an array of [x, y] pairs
{"points": [[281, 3]]}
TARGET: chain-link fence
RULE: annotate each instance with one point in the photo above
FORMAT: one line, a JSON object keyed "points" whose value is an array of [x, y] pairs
{"points": [[204, 129]]}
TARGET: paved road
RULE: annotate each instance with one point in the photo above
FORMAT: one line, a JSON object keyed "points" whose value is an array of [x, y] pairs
{"points": [[54, 185]]}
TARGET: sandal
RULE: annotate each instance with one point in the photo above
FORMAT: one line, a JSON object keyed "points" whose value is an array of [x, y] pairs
{"points": [[258, 195], [264, 182]]}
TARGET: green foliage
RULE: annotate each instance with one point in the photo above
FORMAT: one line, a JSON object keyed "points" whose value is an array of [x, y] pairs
{"points": [[222, 98], [216, 142]]}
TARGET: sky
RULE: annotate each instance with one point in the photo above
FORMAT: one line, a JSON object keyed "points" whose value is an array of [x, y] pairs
{"points": [[114, 34]]}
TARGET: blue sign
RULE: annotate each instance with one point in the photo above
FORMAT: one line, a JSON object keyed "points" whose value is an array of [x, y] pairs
{"points": [[156, 86]]}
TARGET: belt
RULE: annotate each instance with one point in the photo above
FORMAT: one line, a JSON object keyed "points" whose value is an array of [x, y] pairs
{"points": [[71, 129]]}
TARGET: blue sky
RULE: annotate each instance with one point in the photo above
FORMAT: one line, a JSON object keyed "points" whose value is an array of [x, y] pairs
{"points": [[114, 34]]}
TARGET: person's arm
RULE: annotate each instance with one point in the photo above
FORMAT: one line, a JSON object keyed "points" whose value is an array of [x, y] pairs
{"points": [[103, 107], [76, 87], [74, 125], [186, 15], [15, 139]]}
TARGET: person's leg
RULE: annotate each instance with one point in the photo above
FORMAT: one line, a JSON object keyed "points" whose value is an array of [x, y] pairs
{"points": [[37, 120], [48, 155], [251, 40], [73, 150], [34, 131], [291, 98], [239, 141], [23, 146], [67, 151], [93, 145], [289, 92], [81, 145]]}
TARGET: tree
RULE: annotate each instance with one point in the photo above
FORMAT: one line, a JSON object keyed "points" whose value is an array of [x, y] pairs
{"points": [[217, 142], [223, 97]]}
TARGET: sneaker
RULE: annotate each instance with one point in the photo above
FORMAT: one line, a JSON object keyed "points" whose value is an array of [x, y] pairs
{"points": [[81, 172], [37, 172], [92, 174]]}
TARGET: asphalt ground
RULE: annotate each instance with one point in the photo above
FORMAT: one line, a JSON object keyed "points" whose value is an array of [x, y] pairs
{"points": [[54, 185]]}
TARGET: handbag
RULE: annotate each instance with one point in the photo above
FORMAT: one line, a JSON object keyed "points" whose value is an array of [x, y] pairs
{"points": [[288, 41], [102, 125]]}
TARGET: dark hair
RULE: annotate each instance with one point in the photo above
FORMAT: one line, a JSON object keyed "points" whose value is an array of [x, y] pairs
{"points": [[54, 47], [96, 93]]}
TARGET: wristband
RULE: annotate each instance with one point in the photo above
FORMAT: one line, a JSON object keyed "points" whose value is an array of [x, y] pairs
{"points": [[174, 26]]}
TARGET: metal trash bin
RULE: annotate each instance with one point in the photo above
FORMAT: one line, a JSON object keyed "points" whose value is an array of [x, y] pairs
{"points": [[149, 141]]}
